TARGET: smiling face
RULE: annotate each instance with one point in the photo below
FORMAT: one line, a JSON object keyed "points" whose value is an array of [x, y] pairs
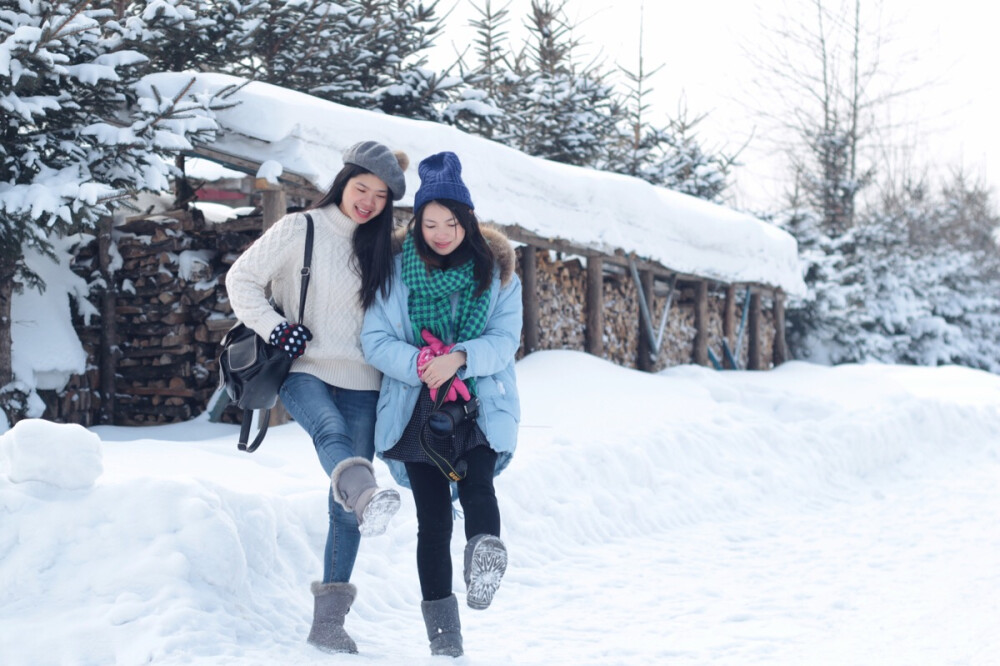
{"points": [[365, 196], [441, 229]]}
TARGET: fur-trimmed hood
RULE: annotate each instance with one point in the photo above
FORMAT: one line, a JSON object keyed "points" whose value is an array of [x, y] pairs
{"points": [[503, 251]]}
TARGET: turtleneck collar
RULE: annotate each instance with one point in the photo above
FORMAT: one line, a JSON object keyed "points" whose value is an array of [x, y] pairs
{"points": [[339, 223]]}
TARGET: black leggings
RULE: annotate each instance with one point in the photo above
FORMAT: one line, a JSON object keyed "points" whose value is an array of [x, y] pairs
{"points": [[432, 495]]}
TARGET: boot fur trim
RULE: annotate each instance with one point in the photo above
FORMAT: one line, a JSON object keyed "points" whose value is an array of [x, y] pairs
{"points": [[321, 589], [339, 469]]}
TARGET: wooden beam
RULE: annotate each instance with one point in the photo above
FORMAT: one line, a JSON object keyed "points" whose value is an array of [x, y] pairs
{"points": [[780, 351], [753, 323], [519, 234], [729, 324], [699, 351], [595, 306], [529, 297], [644, 361]]}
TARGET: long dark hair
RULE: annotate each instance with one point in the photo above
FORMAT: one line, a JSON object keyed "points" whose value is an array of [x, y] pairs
{"points": [[372, 241], [474, 246]]}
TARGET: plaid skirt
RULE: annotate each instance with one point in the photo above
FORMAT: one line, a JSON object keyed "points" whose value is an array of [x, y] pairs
{"points": [[468, 435]]}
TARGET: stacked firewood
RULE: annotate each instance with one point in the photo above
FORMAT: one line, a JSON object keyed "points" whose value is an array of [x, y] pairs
{"points": [[679, 332], [171, 312], [562, 302], [621, 303]]}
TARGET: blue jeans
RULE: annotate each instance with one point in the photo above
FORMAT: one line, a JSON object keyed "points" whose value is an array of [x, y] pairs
{"points": [[341, 423]]}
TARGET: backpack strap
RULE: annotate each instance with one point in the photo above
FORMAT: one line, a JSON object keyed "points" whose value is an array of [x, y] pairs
{"points": [[306, 263], [265, 421]]}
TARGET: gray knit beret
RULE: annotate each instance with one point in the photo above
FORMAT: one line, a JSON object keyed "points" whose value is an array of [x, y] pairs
{"points": [[381, 161]]}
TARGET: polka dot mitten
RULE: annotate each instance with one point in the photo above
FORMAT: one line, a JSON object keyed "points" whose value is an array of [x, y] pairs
{"points": [[291, 337]]}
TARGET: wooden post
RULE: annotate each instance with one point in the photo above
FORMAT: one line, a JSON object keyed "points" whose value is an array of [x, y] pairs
{"points": [[274, 204], [729, 324], [753, 353], [644, 360], [595, 306], [780, 352], [699, 352], [273, 208], [108, 363], [529, 297]]}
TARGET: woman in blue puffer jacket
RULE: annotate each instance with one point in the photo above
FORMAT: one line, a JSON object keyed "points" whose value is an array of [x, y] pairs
{"points": [[451, 324]]}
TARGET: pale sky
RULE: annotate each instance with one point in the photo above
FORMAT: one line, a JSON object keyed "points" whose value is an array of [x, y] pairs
{"points": [[702, 46]]}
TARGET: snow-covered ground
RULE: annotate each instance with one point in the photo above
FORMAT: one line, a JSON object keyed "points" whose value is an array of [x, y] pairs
{"points": [[808, 515]]}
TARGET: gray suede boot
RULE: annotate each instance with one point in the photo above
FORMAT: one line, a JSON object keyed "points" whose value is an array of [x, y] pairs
{"points": [[444, 629], [485, 564], [354, 488], [332, 601]]}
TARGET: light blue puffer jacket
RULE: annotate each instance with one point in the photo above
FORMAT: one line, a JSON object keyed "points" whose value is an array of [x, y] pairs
{"points": [[388, 343]]}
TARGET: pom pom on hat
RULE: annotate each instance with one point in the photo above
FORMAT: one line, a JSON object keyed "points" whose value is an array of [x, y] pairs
{"points": [[441, 178], [402, 158], [382, 162]]}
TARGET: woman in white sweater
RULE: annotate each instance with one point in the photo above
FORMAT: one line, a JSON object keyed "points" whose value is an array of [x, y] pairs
{"points": [[331, 390]]}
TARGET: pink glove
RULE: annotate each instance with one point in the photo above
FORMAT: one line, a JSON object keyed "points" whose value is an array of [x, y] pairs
{"points": [[423, 357], [435, 348], [458, 388], [436, 345]]}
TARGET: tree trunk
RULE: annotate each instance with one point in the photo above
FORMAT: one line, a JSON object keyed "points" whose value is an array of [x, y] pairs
{"points": [[6, 295], [109, 351]]}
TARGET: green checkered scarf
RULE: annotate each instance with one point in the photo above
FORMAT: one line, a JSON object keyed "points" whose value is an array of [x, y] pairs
{"points": [[429, 304]]}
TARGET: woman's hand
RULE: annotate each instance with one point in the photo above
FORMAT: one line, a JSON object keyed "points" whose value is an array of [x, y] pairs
{"points": [[438, 370]]}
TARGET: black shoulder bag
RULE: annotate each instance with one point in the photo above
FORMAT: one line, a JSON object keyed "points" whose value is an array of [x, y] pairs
{"points": [[443, 422], [252, 370]]}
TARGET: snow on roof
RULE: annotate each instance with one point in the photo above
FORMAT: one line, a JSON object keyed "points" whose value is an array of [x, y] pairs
{"points": [[592, 209], [208, 171]]}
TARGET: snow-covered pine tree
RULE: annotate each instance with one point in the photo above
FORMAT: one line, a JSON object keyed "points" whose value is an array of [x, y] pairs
{"points": [[821, 324], [634, 148], [669, 156], [302, 45], [567, 109], [481, 107], [685, 166], [362, 53], [932, 282], [832, 81], [180, 35], [78, 132], [915, 280], [405, 87], [419, 93]]}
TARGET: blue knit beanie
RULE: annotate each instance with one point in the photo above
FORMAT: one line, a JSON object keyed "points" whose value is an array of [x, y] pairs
{"points": [[441, 178]]}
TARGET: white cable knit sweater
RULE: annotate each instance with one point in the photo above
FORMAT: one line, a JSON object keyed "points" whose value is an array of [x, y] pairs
{"points": [[333, 312]]}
